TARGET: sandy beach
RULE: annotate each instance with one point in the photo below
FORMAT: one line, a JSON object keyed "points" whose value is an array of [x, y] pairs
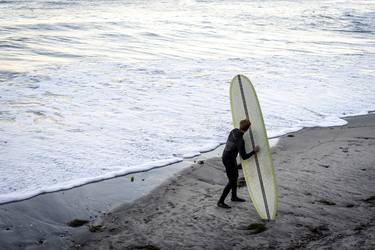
{"points": [[326, 180], [326, 200]]}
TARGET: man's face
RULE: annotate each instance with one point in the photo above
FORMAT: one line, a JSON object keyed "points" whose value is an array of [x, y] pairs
{"points": [[247, 128]]}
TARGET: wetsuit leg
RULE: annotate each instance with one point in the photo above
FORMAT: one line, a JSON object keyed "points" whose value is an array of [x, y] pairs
{"points": [[234, 180], [232, 173]]}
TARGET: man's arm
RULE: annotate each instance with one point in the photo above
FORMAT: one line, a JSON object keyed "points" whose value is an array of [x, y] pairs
{"points": [[242, 151]]}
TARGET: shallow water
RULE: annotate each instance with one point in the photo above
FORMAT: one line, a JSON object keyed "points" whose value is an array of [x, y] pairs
{"points": [[93, 89]]}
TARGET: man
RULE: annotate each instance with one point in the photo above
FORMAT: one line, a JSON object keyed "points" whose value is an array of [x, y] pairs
{"points": [[235, 144]]}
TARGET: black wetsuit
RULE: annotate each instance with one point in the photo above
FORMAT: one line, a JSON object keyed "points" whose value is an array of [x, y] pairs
{"points": [[235, 144]]}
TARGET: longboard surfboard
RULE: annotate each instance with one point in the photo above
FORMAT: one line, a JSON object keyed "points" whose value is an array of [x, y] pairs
{"points": [[258, 171]]}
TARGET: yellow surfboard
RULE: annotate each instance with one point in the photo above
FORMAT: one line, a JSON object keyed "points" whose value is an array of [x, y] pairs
{"points": [[258, 171]]}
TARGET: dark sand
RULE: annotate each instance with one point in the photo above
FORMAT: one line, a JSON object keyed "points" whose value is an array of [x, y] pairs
{"points": [[41, 222], [326, 180]]}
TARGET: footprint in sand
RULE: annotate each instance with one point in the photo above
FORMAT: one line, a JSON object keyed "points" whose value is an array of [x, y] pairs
{"points": [[254, 228], [344, 150], [370, 200], [326, 202], [324, 165]]}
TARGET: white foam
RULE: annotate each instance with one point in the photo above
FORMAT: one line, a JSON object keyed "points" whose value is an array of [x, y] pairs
{"points": [[113, 93]]}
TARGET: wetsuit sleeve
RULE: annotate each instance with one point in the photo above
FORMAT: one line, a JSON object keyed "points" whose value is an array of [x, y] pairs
{"points": [[242, 151]]}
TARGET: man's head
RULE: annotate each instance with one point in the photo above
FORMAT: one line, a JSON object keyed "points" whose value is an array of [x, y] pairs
{"points": [[245, 125]]}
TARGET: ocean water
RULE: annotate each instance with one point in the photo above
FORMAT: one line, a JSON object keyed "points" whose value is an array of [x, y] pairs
{"points": [[94, 89]]}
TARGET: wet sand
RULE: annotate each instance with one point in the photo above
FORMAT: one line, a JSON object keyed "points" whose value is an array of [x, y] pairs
{"points": [[41, 222], [326, 181]]}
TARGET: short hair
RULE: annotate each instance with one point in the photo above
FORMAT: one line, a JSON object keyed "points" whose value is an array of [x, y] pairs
{"points": [[245, 124]]}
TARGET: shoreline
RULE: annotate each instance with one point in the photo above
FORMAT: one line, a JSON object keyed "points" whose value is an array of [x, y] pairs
{"points": [[50, 212], [187, 161], [325, 195], [143, 168]]}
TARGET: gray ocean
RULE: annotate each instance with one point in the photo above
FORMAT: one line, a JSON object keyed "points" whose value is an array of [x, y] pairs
{"points": [[94, 89]]}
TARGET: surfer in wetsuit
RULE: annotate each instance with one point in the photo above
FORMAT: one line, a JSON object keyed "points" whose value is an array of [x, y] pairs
{"points": [[235, 144]]}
